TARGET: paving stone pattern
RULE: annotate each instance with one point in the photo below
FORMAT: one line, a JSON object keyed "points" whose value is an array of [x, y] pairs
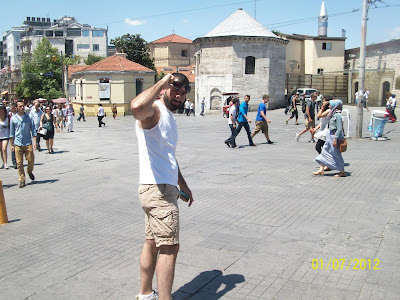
{"points": [[258, 222]]}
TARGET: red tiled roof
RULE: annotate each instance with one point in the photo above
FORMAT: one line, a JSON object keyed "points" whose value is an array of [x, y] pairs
{"points": [[75, 68], [188, 74], [172, 38], [116, 63]]}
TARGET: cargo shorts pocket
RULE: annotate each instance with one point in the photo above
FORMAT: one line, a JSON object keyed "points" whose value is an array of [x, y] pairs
{"points": [[164, 222]]}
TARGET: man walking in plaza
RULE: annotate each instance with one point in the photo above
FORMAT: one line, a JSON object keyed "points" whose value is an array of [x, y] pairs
{"points": [[243, 120], [35, 114], [81, 113], [160, 175], [203, 105], [22, 130], [230, 142], [100, 115], [309, 117], [261, 119]]}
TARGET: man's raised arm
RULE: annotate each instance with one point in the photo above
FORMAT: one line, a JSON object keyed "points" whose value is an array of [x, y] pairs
{"points": [[142, 106]]}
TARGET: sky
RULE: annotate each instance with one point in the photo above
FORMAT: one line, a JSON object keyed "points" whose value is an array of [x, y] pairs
{"points": [[191, 19]]}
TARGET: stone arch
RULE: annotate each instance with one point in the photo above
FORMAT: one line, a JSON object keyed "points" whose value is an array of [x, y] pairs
{"points": [[385, 90], [215, 98], [356, 90]]}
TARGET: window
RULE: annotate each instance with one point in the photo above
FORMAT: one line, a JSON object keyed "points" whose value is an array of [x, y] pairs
{"points": [[85, 32], [97, 33], [73, 32], [49, 33], [397, 84], [58, 33], [139, 86], [184, 53], [95, 47], [326, 46], [83, 46], [250, 65], [320, 71]]}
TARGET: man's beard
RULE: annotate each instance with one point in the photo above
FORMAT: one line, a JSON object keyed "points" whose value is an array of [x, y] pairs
{"points": [[169, 105]]}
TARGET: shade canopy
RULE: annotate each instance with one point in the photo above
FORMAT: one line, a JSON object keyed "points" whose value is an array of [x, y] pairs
{"points": [[59, 100]]}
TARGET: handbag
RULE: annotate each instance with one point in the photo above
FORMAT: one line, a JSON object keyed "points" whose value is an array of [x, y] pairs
{"points": [[343, 145], [42, 131]]}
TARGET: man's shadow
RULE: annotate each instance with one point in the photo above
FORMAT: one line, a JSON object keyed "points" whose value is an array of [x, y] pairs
{"points": [[217, 285]]}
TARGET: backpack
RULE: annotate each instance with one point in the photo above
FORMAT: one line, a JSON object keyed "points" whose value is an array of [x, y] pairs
{"points": [[304, 106]]}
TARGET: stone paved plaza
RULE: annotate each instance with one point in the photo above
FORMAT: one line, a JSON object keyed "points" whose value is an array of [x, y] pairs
{"points": [[261, 227]]}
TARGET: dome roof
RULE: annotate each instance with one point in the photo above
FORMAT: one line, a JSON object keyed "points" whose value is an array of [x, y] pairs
{"points": [[240, 23]]}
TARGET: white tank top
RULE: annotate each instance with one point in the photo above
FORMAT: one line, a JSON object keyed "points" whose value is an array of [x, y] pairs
{"points": [[157, 150], [4, 129]]}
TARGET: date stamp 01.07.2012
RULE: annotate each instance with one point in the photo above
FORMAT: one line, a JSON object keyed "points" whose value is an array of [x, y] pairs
{"points": [[345, 264]]}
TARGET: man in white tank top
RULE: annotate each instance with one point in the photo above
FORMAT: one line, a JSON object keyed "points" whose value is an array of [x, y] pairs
{"points": [[159, 176]]}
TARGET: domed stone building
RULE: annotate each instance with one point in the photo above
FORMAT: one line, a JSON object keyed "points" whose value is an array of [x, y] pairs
{"points": [[241, 55]]}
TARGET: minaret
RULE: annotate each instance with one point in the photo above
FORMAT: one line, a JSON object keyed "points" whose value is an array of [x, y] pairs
{"points": [[323, 21]]}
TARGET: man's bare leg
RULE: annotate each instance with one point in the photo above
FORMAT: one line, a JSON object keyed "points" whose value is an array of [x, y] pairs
{"points": [[304, 131], [166, 270], [148, 261]]}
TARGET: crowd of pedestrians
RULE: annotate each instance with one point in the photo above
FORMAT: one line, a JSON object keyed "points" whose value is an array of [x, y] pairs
{"points": [[22, 126]]}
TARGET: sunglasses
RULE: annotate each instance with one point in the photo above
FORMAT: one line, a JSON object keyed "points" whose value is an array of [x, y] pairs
{"points": [[179, 85]]}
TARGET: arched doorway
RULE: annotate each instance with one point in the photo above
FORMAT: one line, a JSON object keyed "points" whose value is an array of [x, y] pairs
{"points": [[385, 90], [215, 98], [355, 91]]}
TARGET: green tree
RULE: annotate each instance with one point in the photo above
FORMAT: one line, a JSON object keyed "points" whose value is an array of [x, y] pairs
{"points": [[41, 73], [160, 76], [136, 49], [92, 59], [68, 60]]}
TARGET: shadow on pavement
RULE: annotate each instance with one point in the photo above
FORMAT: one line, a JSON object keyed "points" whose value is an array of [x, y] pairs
{"points": [[217, 285], [7, 186], [43, 181]]}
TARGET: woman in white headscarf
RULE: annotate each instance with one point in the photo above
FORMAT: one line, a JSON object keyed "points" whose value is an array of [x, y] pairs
{"points": [[331, 156]]}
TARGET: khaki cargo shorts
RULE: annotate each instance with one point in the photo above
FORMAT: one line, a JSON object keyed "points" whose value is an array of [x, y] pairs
{"points": [[261, 125], [308, 124], [159, 202]]}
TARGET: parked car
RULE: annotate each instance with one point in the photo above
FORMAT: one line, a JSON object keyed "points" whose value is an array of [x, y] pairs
{"points": [[304, 94]]}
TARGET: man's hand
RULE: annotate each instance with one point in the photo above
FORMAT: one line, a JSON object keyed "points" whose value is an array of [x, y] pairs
{"points": [[167, 81], [335, 143], [186, 190], [234, 125], [248, 120], [269, 121], [12, 148], [34, 146]]}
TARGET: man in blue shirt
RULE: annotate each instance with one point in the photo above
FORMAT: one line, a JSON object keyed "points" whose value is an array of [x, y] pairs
{"points": [[35, 114], [22, 128], [243, 120], [261, 119]]}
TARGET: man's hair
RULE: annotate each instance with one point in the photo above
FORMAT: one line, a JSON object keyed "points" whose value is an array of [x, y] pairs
{"points": [[265, 96], [328, 98], [22, 101], [235, 100], [248, 96], [181, 78], [14, 104]]}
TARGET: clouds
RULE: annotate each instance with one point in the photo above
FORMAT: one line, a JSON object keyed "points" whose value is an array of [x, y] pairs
{"points": [[134, 22], [395, 32]]}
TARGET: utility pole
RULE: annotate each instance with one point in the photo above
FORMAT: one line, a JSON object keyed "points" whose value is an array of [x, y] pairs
{"points": [[361, 74]]}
